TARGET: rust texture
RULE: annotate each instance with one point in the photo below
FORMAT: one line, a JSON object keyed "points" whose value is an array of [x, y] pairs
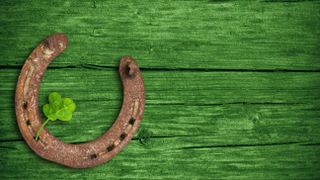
{"points": [[48, 146]]}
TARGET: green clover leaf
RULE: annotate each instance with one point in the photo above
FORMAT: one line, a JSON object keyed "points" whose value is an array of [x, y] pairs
{"points": [[68, 104], [59, 108]]}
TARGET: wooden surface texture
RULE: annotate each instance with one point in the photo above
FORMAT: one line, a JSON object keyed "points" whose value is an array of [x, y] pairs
{"points": [[232, 87]]}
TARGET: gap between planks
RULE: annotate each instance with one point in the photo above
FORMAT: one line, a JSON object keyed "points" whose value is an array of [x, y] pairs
{"points": [[102, 67]]}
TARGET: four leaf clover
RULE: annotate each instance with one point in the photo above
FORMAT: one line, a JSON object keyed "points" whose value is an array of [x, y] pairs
{"points": [[59, 108]]}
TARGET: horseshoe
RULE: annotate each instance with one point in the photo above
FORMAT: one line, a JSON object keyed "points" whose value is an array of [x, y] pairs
{"points": [[88, 154]]}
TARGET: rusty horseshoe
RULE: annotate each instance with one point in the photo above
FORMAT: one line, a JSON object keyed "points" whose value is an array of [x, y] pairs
{"points": [[88, 154]]}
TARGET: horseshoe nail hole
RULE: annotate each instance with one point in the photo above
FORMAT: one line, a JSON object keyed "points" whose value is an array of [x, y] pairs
{"points": [[132, 120], [93, 156], [110, 148], [129, 71], [25, 105], [122, 136], [46, 43], [28, 122]]}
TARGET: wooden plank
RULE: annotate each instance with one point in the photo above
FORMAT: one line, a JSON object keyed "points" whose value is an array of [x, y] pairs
{"points": [[199, 126], [260, 35], [180, 87], [282, 161]]}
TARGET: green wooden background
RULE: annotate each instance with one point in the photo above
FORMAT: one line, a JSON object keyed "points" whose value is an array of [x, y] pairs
{"points": [[232, 87]]}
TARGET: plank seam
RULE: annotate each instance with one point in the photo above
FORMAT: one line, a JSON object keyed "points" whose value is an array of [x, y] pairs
{"points": [[100, 67]]}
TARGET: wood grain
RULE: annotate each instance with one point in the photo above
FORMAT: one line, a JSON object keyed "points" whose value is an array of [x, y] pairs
{"points": [[279, 112], [205, 34], [232, 86]]}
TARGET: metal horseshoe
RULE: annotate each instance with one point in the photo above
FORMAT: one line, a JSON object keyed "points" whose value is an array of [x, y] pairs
{"points": [[87, 154]]}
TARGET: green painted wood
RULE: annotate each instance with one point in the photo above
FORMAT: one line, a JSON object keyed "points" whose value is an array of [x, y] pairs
{"points": [[290, 161], [205, 34], [212, 110], [232, 87]]}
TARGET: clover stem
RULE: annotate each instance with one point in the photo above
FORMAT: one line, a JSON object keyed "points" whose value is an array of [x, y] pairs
{"points": [[40, 129]]}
